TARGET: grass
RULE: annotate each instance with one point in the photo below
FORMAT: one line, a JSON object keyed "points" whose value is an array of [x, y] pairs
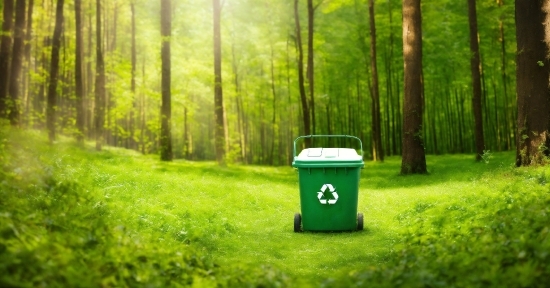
{"points": [[241, 217]]}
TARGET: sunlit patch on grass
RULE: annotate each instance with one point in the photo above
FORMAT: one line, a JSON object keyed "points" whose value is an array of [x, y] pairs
{"points": [[241, 216]]}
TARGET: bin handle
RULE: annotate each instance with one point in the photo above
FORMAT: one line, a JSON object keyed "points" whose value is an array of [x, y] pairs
{"points": [[329, 136]]}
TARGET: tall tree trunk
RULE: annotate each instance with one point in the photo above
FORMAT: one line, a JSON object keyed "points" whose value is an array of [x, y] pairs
{"points": [[54, 68], [414, 159], [5, 52], [532, 71], [305, 108], [78, 73], [509, 128], [238, 105], [133, 80], [475, 65], [166, 107], [377, 152], [273, 119], [219, 136], [90, 107], [99, 115], [310, 72], [27, 57], [14, 85]]}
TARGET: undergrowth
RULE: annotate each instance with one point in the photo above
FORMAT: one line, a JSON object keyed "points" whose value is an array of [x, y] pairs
{"points": [[55, 231], [73, 217], [497, 238]]}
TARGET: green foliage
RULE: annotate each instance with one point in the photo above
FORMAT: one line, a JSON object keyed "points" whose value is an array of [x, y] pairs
{"points": [[486, 156], [71, 216], [57, 230], [496, 238]]}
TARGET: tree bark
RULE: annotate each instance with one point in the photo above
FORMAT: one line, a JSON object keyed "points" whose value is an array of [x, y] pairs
{"points": [[54, 68], [274, 118], [133, 80], [79, 87], [27, 64], [377, 151], [14, 84], [218, 92], [532, 71], [475, 65], [166, 107], [310, 72], [414, 159], [5, 52], [99, 115], [305, 108]]}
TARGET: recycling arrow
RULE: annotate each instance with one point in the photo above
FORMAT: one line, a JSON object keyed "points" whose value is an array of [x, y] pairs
{"points": [[321, 194]]}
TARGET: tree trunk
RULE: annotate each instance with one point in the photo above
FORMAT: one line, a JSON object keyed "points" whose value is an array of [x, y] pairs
{"points": [[90, 107], [475, 65], [5, 52], [54, 68], [133, 80], [305, 108], [166, 109], [310, 68], [218, 92], [78, 73], [377, 152], [274, 118], [99, 115], [507, 127], [414, 159], [27, 64], [14, 83], [238, 105], [532, 71]]}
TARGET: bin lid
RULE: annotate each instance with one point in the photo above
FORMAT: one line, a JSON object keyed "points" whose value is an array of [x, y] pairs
{"points": [[328, 157]]}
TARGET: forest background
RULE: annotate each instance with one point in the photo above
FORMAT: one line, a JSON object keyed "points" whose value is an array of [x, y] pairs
{"points": [[263, 112]]}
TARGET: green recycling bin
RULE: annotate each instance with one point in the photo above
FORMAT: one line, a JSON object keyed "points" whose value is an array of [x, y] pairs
{"points": [[329, 187]]}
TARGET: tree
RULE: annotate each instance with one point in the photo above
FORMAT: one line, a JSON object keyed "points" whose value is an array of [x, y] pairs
{"points": [[133, 79], [54, 68], [99, 115], [475, 65], [166, 108], [27, 77], [377, 151], [5, 51], [414, 159], [532, 71], [79, 87], [310, 72], [16, 63], [219, 129], [303, 98]]}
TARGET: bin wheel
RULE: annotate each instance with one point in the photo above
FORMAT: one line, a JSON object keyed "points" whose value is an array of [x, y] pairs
{"points": [[297, 222], [359, 221]]}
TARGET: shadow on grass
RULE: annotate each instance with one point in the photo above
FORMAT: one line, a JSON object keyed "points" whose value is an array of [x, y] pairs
{"points": [[441, 169], [281, 175]]}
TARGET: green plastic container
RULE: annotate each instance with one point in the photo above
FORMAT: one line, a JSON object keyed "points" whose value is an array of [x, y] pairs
{"points": [[329, 187]]}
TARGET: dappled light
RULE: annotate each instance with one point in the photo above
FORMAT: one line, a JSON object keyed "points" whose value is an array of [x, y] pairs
{"points": [[217, 219], [261, 143]]}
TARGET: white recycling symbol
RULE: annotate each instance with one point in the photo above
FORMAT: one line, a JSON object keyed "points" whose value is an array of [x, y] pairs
{"points": [[321, 194]]}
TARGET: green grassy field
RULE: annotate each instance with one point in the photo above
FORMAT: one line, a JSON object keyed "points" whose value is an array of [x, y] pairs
{"points": [[129, 214]]}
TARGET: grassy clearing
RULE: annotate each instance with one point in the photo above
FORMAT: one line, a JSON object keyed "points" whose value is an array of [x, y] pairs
{"points": [[238, 220]]}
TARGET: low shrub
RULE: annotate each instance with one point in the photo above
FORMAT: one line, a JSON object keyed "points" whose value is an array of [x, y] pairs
{"points": [[498, 238], [56, 231]]}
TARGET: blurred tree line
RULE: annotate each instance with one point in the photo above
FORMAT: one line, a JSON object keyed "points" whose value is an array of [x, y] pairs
{"points": [[289, 68]]}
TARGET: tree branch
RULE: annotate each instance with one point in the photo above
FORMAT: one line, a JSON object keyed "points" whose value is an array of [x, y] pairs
{"points": [[319, 4]]}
